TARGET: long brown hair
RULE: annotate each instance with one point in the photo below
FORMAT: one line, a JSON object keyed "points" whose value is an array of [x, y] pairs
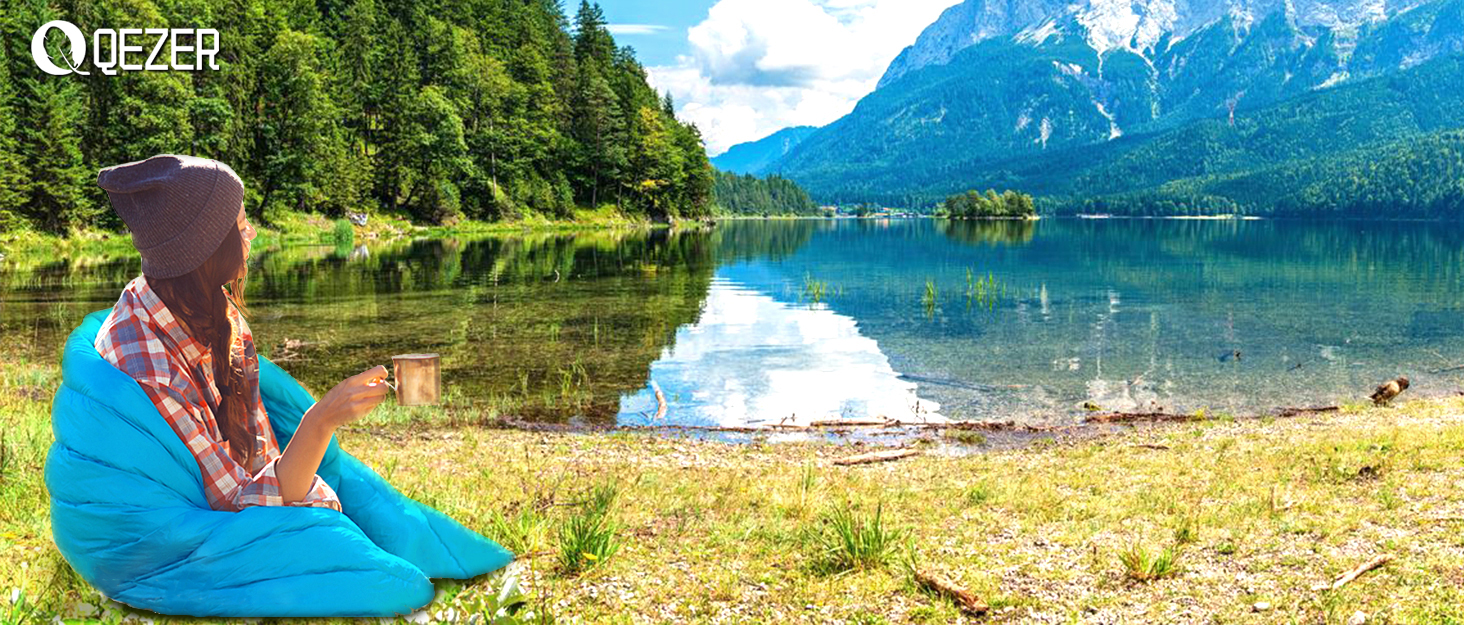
{"points": [[199, 303]]}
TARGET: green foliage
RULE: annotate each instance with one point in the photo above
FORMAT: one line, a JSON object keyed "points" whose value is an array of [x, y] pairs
{"points": [[748, 195], [343, 233], [974, 205], [488, 109], [846, 540], [506, 605], [588, 537], [1144, 565]]}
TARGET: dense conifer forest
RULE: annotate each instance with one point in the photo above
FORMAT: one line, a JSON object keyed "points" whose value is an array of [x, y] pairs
{"points": [[744, 194], [434, 110]]}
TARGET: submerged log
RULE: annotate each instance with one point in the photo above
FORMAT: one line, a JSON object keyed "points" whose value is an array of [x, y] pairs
{"points": [[878, 456], [962, 597]]}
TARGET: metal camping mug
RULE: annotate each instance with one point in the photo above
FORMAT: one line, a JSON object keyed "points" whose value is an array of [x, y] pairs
{"points": [[419, 379]]}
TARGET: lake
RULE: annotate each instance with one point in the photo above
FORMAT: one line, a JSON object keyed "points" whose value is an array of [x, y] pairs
{"points": [[761, 322]]}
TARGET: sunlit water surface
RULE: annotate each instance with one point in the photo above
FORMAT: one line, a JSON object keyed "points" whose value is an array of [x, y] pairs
{"points": [[759, 323]]}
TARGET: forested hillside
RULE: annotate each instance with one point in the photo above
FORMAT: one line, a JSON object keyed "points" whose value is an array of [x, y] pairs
{"points": [[745, 194], [1143, 113], [487, 109]]}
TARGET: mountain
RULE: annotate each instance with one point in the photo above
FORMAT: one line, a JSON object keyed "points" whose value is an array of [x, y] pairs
{"points": [[754, 156], [1121, 98]]}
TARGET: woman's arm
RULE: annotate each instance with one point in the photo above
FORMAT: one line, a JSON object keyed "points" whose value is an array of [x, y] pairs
{"points": [[350, 400]]}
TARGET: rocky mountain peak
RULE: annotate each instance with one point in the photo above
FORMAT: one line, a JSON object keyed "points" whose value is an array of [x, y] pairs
{"points": [[1108, 25]]}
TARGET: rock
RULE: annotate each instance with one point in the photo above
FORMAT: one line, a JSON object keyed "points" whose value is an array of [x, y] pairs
{"points": [[1261, 606], [358, 219], [1358, 618]]}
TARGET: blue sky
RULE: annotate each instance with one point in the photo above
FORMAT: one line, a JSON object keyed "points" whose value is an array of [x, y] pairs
{"points": [[655, 28], [742, 69]]}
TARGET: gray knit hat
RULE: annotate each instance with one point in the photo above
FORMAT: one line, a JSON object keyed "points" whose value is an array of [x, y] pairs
{"points": [[179, 208]]}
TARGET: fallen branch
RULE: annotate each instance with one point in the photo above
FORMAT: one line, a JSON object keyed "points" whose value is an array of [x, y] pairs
{"points": [[1132, 417], [839, 423], [1153, 446], [1343, 579], [1297, 412], [963, 598], [660, 398], [878, 456]]}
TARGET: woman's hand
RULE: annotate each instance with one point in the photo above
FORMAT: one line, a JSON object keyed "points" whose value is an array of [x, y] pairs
{"points": [[351, 399]]}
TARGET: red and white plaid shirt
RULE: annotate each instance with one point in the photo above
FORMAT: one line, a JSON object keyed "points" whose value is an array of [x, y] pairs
{"points": [[143, 339]]}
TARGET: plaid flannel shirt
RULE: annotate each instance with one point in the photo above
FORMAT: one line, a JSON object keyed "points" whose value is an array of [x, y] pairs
{"points": [[143, 339]]}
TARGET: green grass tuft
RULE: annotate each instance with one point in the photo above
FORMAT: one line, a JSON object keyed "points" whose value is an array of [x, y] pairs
{"points": [[588, 537], [847, 540], [1142, 565]]}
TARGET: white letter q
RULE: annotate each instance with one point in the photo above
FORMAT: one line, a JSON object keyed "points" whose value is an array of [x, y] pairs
{"points": [[77, 53]]}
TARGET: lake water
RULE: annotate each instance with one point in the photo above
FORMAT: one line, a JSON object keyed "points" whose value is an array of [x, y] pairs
{"points": [[760, 322]]}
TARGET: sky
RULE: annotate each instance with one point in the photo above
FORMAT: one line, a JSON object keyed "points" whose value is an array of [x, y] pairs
{"points": [[743, 69]]}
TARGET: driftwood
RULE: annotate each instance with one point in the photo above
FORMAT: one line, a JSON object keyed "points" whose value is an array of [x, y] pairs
{"points": [[1134, 417], [660, 401], [1297, 412], [840, 423], [1344, 578], [963, 598], [877, 456]]}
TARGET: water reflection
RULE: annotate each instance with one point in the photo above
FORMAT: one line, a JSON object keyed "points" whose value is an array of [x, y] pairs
{"points": [[1123, 313], [753, 360]]}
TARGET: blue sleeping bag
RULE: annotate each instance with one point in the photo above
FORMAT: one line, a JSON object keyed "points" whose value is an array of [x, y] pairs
{"points": [[128, 512]]}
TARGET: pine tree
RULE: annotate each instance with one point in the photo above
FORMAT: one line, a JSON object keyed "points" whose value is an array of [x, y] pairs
{"points": [[58, 200], [14, 171], [296, 134]]}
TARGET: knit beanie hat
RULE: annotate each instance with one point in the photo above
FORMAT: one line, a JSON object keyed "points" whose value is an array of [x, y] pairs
{"points": [[178, 209]]}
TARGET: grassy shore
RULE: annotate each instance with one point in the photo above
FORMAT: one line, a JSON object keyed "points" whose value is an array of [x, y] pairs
{"points": [[1222, 521], [292, 228]]}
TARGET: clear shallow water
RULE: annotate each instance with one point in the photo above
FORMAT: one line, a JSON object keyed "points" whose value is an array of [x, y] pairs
{"points": [[757, 322]]}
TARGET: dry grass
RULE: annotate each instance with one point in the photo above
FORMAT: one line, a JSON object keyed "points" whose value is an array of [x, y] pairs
{"points": [[711, 532]]}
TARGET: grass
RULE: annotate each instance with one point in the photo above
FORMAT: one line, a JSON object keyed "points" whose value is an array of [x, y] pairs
{"points": [[588, 537], [1142, 564], [713, 532], [19, 248], [846, 540]]}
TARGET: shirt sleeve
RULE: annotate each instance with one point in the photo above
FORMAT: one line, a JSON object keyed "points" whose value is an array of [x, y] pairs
{"points": [[226, 484]]}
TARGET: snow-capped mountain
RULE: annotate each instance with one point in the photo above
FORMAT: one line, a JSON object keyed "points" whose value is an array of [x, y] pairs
{"points": [[994, 86], [1136, 25]]}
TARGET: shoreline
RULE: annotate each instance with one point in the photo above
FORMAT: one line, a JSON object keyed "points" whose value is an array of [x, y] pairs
{"points": [[1258, 511]]}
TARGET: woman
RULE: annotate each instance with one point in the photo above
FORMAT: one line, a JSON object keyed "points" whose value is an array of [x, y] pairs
{"points": [[179, 330]]}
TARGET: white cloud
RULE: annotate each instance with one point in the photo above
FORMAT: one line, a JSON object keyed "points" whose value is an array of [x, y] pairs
{"points": [[634, 29], [755, 66]]}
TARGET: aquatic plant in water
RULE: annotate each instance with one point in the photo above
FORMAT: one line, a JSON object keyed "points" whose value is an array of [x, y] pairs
{"points": [[931, 297], [814, 290], [985, 291]]}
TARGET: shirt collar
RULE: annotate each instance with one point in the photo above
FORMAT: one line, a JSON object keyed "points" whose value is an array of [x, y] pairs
{"points": [[192, 350]]}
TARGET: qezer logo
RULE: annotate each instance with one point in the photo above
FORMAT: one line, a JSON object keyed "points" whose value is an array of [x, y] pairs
{"points": [[118, 49]]}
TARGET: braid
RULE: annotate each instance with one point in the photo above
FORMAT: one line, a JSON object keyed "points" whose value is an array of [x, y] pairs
{"points": [[200, 303]]}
